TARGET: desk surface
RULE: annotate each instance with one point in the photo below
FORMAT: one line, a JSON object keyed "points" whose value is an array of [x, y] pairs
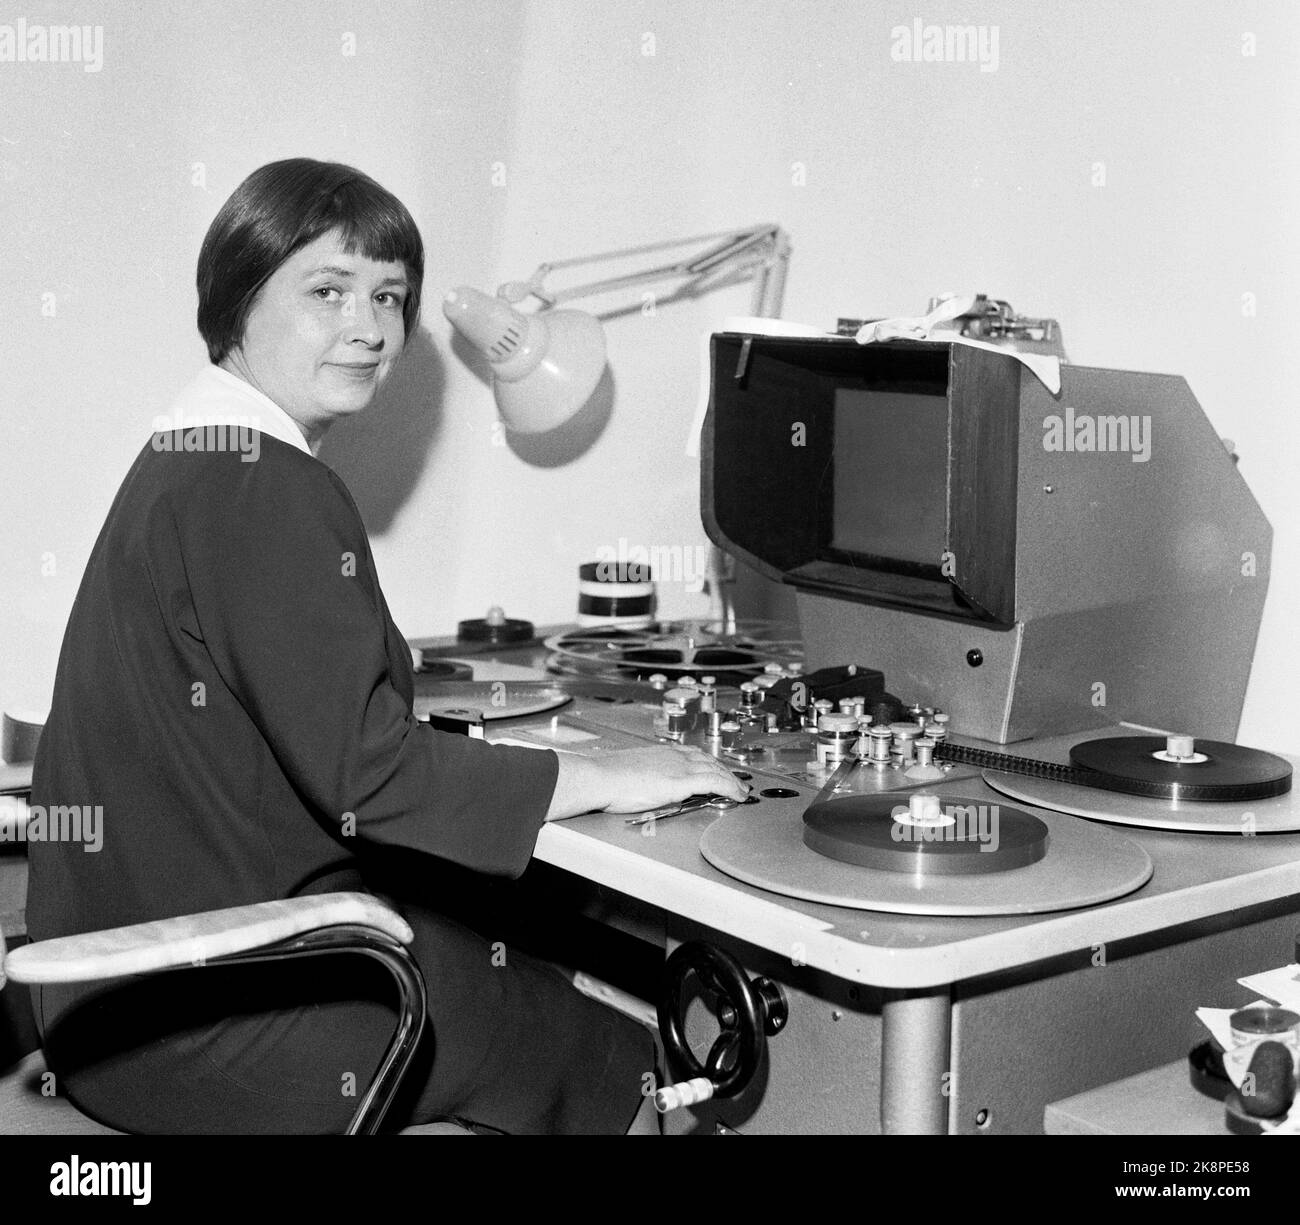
{"points": [[1160, 1102], [889, 950], [1196, 876]]}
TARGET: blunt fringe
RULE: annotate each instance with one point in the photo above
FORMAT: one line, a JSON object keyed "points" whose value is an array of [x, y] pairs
{"points": [[278, 210]]}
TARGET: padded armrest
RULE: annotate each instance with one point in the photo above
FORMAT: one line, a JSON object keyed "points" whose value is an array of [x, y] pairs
{"points": [[191, 939], [15, 780]]}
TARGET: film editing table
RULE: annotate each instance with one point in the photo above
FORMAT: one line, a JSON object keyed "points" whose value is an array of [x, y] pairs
{"points": [[907, 1022]]}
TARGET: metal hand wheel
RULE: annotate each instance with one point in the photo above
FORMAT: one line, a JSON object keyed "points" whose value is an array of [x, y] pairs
{"points": [[748, 1012]]}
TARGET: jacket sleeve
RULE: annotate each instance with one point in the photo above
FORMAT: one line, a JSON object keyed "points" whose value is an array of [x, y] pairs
{"points": [[280, 574]]}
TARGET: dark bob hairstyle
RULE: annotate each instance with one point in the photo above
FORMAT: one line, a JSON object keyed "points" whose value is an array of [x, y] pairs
{"points": [[278, 210]]}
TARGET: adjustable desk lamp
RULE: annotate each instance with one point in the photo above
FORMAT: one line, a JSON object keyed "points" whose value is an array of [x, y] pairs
{"points": [[546, 363]]}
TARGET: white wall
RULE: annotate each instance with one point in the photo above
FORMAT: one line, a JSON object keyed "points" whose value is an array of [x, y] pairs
{"points": [[109, 182], [518, 132]]}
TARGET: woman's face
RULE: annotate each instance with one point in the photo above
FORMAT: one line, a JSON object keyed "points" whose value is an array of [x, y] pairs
{"points": [[323, 334]]}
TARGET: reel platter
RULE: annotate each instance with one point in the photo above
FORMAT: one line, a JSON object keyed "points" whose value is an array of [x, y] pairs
{"points": [[1155, 782], [1049, 862], [674, 648]]}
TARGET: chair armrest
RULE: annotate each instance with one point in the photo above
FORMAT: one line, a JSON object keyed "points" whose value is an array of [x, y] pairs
{"points": [[15, 780], [189, 940]]}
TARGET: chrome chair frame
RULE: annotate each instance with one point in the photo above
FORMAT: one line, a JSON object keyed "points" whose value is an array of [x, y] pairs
{"points": [[412, 1005], [168, 945]]}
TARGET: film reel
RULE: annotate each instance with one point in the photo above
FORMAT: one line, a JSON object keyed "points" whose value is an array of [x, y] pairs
{"points": [[674, 648], [1155, 767], [926, 837], [1180, 768]]}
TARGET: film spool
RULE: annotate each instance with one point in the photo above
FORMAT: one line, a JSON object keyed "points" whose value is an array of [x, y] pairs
{"points": [[1180, 768], [618, 593], [926, 837], [1161, 768], [495, 628]]}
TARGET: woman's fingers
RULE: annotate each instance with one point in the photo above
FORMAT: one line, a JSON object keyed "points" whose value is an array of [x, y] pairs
{"points": [[724, 781], [705, 775], [637, 780], [667, 774]]}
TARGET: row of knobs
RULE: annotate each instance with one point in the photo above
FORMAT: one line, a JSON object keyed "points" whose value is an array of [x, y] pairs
{"points": [[848, 731]]}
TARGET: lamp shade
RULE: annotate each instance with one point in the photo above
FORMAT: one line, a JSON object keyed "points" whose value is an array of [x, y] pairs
{"points": [[544, 366]]}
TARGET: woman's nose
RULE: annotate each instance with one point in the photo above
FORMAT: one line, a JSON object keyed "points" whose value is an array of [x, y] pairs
{"points": [[361, 321]]}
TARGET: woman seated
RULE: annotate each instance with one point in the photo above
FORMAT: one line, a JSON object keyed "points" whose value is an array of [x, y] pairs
{"points": [[235, 696]]}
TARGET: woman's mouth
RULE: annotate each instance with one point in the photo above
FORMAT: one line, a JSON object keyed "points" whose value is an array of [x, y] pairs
{"points": [[357, 370]]}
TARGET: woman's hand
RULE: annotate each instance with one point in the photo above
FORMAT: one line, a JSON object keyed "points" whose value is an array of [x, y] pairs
{"points": [[635, 780]]}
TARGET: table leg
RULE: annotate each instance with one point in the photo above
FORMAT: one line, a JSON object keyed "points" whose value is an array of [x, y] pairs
{"points": [[914, 1062]]}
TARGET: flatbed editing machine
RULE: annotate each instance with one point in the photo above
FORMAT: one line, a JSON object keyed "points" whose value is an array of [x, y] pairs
{"points": [[1002, 841]]}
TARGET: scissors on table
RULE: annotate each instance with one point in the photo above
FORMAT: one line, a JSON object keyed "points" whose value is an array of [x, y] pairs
{"points": [[692, 803]]}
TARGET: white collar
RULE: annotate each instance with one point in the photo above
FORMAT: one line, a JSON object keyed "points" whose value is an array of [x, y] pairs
{"points": [[217, 397]]}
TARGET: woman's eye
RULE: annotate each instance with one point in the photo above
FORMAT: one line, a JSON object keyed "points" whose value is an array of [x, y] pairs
{"points": [[391, 299], [328, 293]]}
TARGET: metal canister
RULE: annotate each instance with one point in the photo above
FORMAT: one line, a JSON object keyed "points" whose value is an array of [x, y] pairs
{"points": [[837, 737], [689, 700], [863, 749], [880, 746], [905, 736], [674, 721]]}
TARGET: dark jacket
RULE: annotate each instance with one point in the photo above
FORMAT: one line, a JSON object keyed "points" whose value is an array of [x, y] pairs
{"points": [[234, 695]]}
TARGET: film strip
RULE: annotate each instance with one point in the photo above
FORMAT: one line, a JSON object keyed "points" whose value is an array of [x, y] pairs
{"points": [[1215, 772]]}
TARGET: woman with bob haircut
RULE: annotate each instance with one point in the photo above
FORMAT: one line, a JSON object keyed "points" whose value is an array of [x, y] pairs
{"points": [[233, 692]]}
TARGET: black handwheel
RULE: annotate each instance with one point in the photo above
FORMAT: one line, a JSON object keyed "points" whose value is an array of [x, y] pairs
{"points": [[748, 1012]]}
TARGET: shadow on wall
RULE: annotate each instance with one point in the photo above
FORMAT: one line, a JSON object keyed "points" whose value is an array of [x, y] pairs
{"points": [[556, 447], [381, 453]]}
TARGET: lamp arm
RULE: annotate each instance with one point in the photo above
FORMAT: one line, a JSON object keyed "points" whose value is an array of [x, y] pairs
{"points": [[665, 273], [769, 288], [731, 252]]}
